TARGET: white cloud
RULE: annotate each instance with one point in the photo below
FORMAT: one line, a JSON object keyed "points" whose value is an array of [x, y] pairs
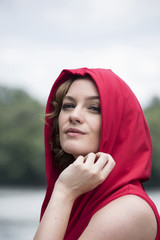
{"points": [[38, 39], [36, 69]]}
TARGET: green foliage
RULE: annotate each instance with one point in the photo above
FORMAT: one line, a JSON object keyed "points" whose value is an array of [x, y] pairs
{"points": [[152, 114], [21, 139]]}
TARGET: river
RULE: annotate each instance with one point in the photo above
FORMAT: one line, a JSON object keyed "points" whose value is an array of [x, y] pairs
{"points": [[20, 209]]}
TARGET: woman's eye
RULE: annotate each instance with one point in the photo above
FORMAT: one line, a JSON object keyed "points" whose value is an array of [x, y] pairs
{"points": [[66, 106], [95, 109]]}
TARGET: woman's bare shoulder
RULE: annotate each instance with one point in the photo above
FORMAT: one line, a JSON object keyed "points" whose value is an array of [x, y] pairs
{"points": [[128, 217]]}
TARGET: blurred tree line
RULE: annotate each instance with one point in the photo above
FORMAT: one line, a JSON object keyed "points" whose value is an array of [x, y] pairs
{"points": [[21, 139], [152, 114]]}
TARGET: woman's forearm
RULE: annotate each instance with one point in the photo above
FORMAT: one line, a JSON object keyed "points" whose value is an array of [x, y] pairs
{"points": [[55, 219]]}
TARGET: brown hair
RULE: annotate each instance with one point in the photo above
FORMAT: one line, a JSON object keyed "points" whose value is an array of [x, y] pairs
{"points": [[61, 158]]}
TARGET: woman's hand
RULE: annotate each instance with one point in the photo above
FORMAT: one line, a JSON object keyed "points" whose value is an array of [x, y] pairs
{"points": [[85, 174]]}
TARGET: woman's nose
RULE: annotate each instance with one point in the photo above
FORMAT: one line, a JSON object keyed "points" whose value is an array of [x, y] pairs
{"points": [[76, 115]]}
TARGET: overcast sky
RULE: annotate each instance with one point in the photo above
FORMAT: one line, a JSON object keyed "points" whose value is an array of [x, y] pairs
{"points": [[39, 38]]}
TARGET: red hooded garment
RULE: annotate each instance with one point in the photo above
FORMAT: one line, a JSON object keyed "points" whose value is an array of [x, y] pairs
{"points": [[124, 135]]}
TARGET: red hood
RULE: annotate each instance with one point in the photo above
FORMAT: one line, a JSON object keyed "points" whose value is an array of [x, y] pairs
{"points": [[124, 135]]}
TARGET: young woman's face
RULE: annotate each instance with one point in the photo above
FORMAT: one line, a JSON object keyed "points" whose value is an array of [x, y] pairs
{"points": [[80, 119]]}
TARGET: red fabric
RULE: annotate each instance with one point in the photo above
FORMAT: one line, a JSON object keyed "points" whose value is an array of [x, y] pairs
{"points": [[124, 135]]}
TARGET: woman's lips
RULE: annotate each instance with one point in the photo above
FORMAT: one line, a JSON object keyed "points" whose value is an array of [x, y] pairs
{"points": [[72, 132]]}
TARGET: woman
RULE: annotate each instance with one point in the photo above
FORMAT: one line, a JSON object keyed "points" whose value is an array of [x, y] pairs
{"points": [[98, 153]]}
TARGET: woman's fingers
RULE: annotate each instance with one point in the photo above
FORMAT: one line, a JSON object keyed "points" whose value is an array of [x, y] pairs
{"points": [[108, 166], [90, 159], [105, 163], [80, 160], [102, 160], [99, 161]]}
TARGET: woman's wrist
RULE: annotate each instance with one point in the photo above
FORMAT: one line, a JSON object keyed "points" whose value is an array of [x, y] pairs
{"points": [[61, 193]]}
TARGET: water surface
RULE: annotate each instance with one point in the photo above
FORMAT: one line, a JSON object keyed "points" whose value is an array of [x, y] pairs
{"points": [[20, 209]]}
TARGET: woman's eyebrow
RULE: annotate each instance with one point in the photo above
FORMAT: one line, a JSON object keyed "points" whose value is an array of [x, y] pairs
{"points": [[93, 97], [87, 98], [69, 98]]}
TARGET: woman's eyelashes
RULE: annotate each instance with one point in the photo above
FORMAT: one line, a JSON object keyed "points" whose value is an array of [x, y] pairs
{"points": [[66, 106], [95, 108]]}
